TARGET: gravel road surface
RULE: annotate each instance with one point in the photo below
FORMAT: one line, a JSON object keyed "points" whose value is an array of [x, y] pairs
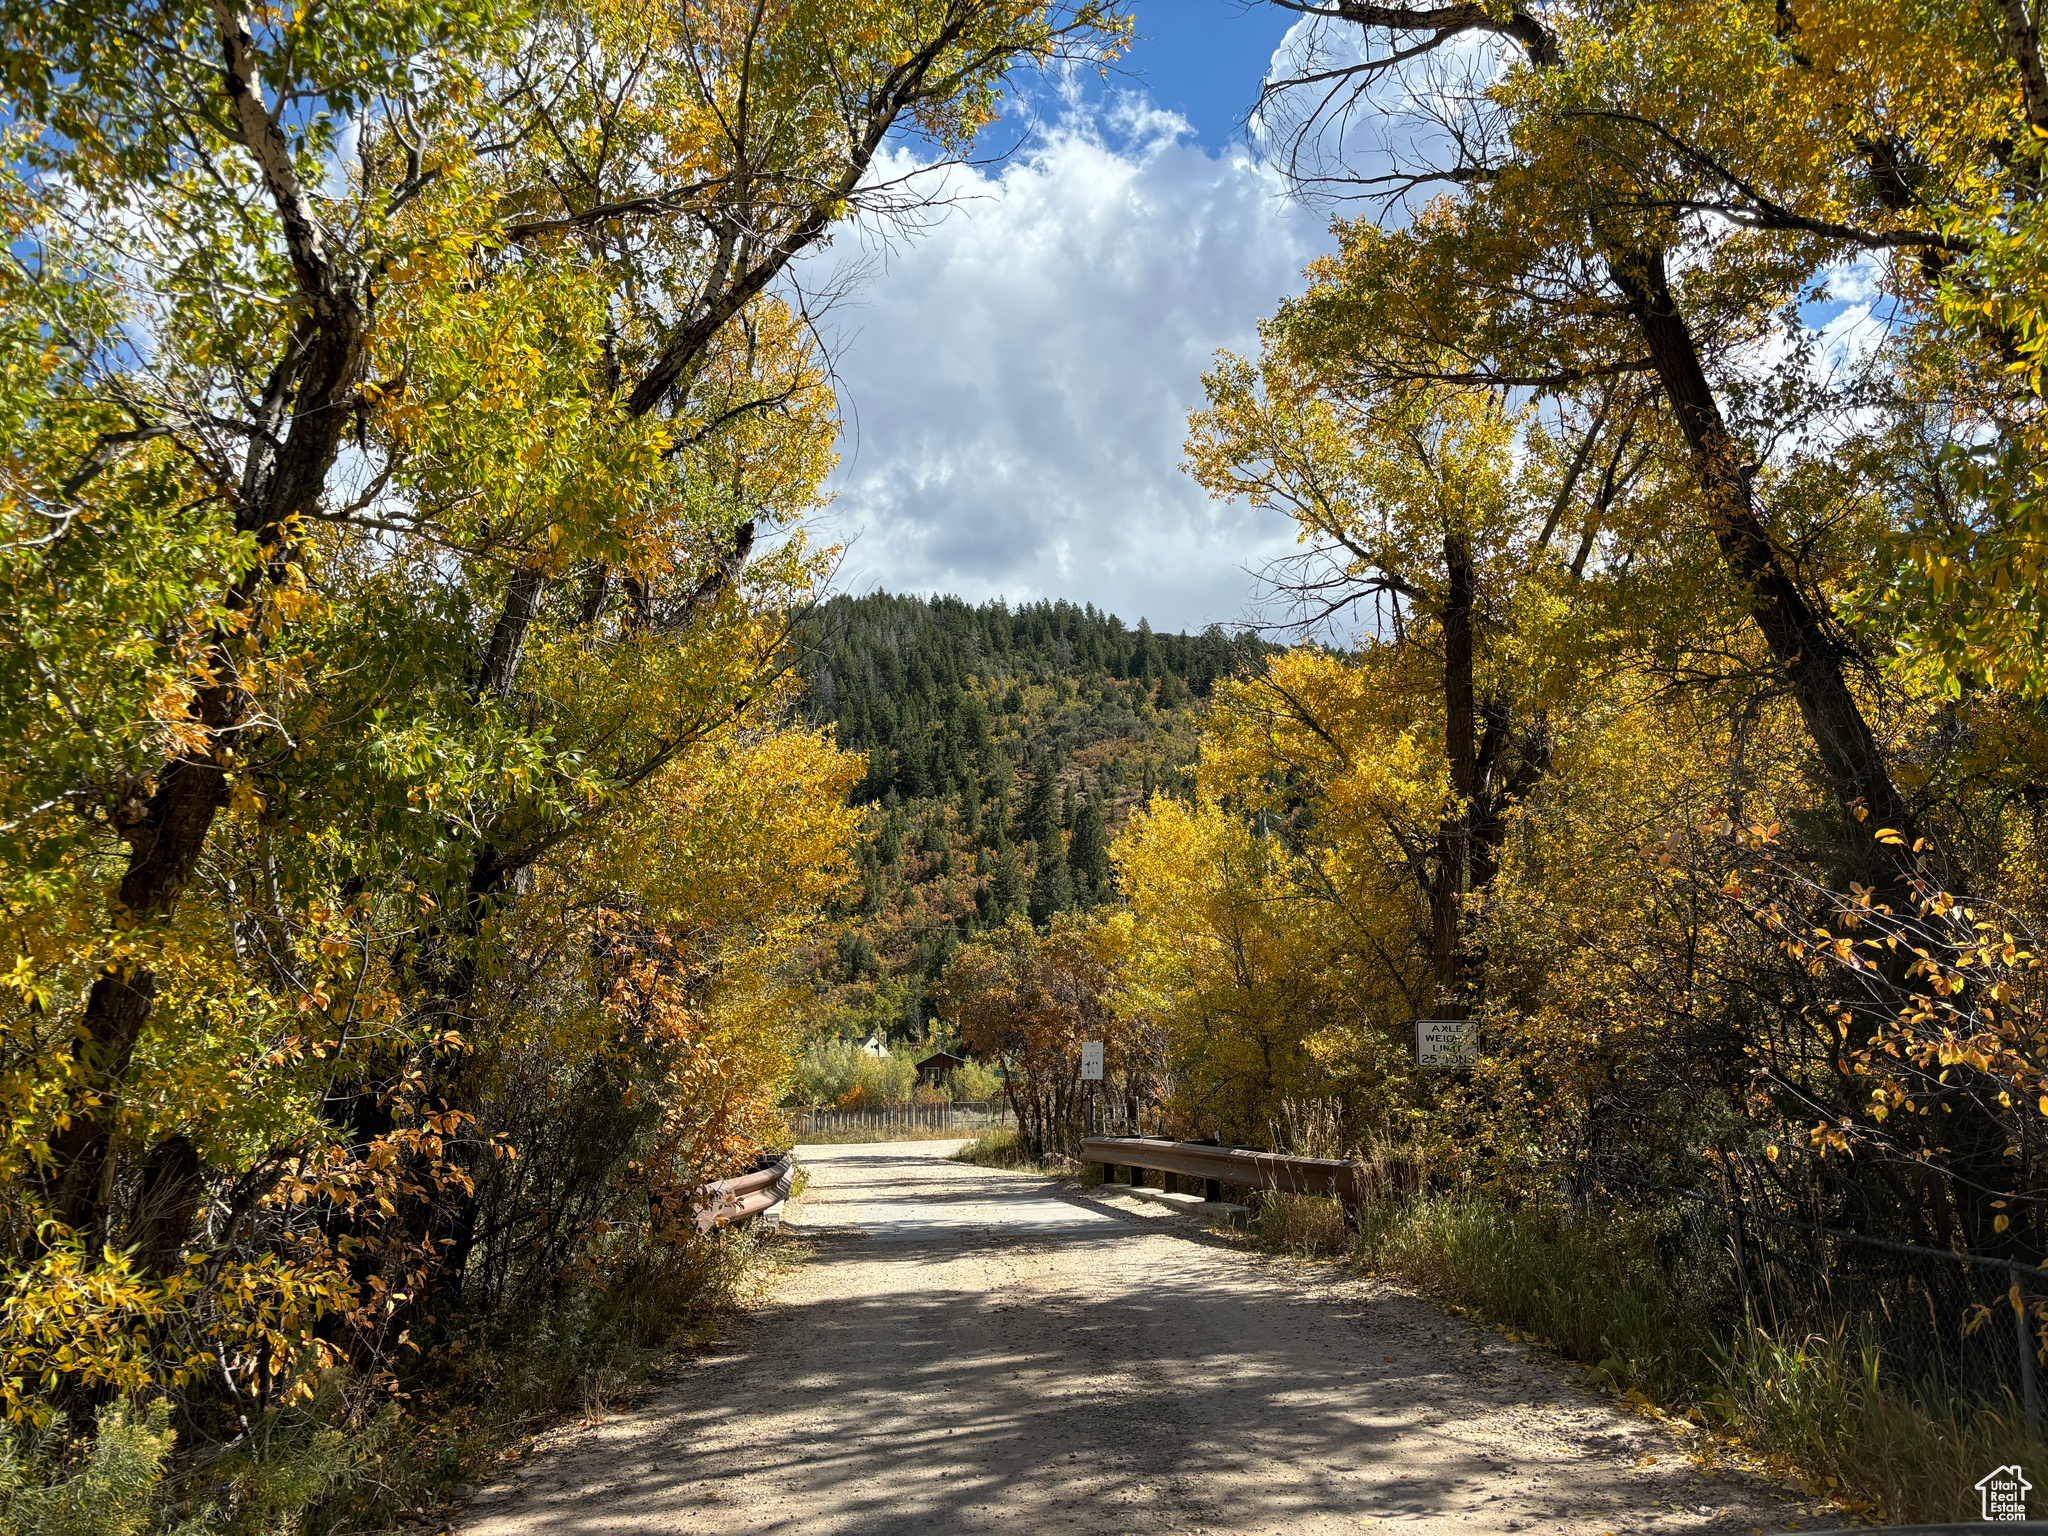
{"points": [[972, 1350]]}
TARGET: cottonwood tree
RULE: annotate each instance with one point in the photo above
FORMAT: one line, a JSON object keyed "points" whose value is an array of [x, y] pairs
{"points": [[1432, 515], [399, 406], [1623, 196], [1639, 196]]}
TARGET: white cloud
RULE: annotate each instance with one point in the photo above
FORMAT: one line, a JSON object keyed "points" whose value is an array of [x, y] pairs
{"points": [[1017, 379]]}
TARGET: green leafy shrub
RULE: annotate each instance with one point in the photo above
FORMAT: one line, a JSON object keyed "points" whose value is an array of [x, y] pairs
{"points": [[840, 1072], [973, 1083], [108, 1486]]}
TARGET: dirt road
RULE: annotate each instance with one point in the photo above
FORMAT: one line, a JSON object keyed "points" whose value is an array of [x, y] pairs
{"points": [[972, 1350]]}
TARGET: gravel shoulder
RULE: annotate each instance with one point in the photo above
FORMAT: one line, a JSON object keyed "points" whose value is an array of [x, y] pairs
{"points": [[969, 1349]]}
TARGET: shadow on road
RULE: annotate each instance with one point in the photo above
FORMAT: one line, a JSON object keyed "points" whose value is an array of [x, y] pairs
{"points": [[1062, 1366]]}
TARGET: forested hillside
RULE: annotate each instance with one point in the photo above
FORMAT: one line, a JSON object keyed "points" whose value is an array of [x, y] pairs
{"points": [[1005, 748], [917, 682]]}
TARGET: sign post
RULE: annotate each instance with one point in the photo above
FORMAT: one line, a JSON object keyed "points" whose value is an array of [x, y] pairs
{"points": [[1445, 1043], [1091, 1072]]}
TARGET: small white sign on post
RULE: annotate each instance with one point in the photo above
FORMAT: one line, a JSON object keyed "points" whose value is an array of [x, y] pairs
{"points": [[1445, 1043], [1091, 1061]]}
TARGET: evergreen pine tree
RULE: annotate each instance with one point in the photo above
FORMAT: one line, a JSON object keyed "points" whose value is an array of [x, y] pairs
{"points": [[1007, 890], [1052, 887], [870, 885], [857, 956], [1002, 776], [1089, 856], [1041, 811], [971, 724], [942, 955], [913, 770], [970, 807]]}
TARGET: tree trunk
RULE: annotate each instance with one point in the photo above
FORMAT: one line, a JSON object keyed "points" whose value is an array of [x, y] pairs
{"points": [[1850, 754], [170, 1186], [1453, 844], [313, 382]]}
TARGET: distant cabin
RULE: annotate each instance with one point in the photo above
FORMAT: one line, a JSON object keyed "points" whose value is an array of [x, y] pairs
{"points": [[936, 1066], [873, 1046]]}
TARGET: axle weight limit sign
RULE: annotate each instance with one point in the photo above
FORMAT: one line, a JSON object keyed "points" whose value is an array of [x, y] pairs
{"points": [[1445, 1043]]}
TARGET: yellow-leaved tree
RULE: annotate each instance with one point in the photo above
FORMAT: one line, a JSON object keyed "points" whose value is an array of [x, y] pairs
{"points": [[401, 822]]}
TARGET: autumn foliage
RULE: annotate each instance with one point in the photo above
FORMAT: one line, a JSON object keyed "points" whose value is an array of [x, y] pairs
{"points": [[1675, 722], [403, 826], [1027, 1000]]}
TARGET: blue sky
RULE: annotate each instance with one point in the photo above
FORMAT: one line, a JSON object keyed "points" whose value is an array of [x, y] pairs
{"points": [[1016, 380], [1204, 59]]}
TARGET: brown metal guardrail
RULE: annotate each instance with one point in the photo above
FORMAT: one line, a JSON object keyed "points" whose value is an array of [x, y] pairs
{"points": [[1215, 1166], [730, 1202]]}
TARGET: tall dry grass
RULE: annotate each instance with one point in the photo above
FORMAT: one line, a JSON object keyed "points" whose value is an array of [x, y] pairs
{"points": [[1309, 1225], [1004, 1148], [1826, 1404], [1593, 1288]]}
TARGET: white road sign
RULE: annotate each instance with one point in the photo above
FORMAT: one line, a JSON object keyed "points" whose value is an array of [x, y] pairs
{"points": [[1445, 1043], [1091, 1061]]}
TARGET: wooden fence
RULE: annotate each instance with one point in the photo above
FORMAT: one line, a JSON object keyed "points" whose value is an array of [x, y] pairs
{"points": [[966, 1118]]}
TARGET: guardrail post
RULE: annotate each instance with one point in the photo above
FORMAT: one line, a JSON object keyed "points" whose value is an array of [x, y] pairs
{"points": [[1212, 1189], [1170, 1182]]}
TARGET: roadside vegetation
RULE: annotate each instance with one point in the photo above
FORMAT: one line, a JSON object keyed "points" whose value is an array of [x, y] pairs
{"points": [[1006, 1148], [408, 829], [1684, 763], [324, 1464], [1818, 1408]]}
